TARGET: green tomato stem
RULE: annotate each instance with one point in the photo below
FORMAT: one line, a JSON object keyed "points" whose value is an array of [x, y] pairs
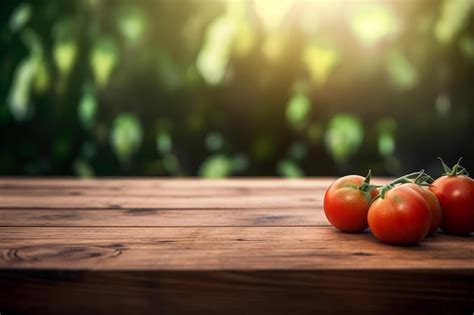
{"points": [[402, 180], [456, 170]]}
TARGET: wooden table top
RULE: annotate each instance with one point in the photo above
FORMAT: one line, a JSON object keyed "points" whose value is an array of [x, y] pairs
{"points": [[210, 246]]}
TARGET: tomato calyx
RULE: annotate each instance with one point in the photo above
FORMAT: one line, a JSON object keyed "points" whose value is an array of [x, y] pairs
{"points": [[456, 170], [420, 178], [366, 187]]}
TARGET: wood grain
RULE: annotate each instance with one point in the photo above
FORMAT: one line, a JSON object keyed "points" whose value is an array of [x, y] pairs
{"points": [[162, 217], [121, 201], [169, 183], [210, 248], [263, 246]]}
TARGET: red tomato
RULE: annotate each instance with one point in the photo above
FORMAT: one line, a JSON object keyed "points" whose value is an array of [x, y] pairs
{"points": [[435, 207], [401, 217], [456, 196], [374, 192], [346, 205]]}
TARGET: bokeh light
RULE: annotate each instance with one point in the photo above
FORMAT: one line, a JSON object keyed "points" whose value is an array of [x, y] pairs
{"points": [[234, 88]]}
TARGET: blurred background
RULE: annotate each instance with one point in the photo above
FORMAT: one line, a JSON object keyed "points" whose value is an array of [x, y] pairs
{"points": [[235, 88]]}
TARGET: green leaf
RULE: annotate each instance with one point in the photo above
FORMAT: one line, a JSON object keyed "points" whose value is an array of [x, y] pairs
{"points": [[402, 72], [64, 53], [287, 168], [386, 140], [297, 110], [386, 144], [126, 136], [30, 74], [20, 16], [87, 108], [214, 141], [65, 46], [246, 38], [343, 136], [83, 169], [466, 45], [103, 59], [42, 77], [453, 18], [164, 143], [131, 23], [320, 62], [240, 163], [216, 166], [298, 151], [214, 55], [20, 91]]}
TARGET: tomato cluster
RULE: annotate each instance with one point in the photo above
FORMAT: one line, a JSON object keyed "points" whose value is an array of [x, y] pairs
{"points": [[405, 210]]}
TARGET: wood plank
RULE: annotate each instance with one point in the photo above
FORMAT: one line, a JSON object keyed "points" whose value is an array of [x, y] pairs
{"points": [[154, 188], [159, 193], [165, 183], [231, 292], [132, 202], [176, 184], [162, 217], [188, 192], [223, 248]]}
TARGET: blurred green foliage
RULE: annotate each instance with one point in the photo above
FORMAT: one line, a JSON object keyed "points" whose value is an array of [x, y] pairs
{"points": [[234, 87]]}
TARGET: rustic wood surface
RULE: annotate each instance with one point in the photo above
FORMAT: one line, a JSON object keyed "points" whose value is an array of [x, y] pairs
{"points": [[144, 246]]}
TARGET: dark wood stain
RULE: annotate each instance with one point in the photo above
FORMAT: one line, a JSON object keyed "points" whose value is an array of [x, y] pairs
{"points": [[269, 218], [57, 252], [362, 254], [142, 212], [56, 217]]}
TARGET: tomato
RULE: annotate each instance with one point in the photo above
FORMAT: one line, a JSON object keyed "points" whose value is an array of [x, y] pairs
{"points": [[456, 196], [401, 217], [435, 207], [346, 203], [374, 192]]}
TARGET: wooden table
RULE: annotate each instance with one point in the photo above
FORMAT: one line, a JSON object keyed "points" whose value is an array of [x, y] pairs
{"points": [[222, 246]]}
